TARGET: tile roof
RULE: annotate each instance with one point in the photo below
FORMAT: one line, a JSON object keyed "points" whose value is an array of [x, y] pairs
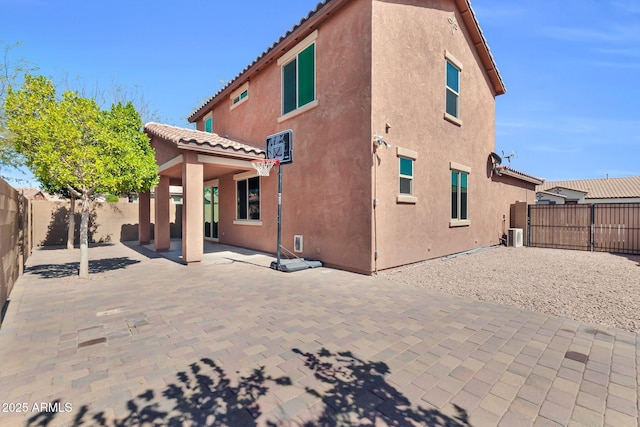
{"points": [[202, 141], [464, 6], [507, 170], [601, 188]]}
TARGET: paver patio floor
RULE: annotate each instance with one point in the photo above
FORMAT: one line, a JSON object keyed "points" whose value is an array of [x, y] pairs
{"points": [[147, 341]]}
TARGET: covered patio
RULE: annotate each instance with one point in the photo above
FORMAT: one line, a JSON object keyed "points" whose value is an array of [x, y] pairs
{"points": [[194, 160]]}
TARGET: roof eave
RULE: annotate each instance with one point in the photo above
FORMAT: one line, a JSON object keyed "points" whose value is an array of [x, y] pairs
{"points": [[480, 43], [279, 48]]}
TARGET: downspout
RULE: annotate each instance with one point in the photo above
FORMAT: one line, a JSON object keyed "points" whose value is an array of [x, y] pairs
{"points": [[375, 216]]}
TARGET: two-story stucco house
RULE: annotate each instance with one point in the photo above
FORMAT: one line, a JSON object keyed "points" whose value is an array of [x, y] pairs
{"points": [[351, 79]]}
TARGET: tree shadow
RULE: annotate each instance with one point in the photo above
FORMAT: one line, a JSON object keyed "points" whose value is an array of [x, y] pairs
{"points": [[360, 395], [57, 231], [357, 395], [58, 271], [204, 395]]}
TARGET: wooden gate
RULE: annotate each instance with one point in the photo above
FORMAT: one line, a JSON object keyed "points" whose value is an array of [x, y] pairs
{"points": [[610, 227]]}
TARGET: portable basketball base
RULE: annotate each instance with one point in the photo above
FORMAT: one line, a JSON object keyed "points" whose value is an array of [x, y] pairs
{"points": [[279, 147]]}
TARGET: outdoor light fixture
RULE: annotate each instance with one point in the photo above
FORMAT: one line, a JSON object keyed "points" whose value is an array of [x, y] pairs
{"points": [[380, 141]]}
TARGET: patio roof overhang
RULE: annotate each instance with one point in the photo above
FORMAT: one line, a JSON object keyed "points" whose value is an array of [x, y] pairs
{"points": [[218, 155]]}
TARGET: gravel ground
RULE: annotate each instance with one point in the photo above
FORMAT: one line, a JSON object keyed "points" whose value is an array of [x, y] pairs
{"points": [[593, 287]]}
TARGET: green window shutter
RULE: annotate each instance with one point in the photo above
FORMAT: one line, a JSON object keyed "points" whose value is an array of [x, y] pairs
{"points": [[289, 99], [208, 125], [463, 195], [306, 79]]}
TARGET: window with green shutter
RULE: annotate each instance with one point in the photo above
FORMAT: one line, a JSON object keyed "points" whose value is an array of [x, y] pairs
{"points": [[208, 124], [299, 80]]}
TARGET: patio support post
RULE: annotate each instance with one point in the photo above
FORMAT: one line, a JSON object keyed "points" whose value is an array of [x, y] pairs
{"points": [[162, 238], [193, 211], [144, 217]]}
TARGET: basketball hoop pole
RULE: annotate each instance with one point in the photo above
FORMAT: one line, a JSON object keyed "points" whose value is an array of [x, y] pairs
{"points": [[279, 215]]}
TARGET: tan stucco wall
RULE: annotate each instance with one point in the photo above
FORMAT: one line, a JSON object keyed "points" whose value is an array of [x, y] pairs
{"points": [[15, 241], [326, 190], [409, 94], [109, 222]]}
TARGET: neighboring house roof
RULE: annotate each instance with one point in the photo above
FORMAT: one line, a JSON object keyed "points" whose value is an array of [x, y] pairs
{"points": [[323, 11], [509, 171], [601, 188], [201, 141], [560, 196], [550, 190], [38, 194]]}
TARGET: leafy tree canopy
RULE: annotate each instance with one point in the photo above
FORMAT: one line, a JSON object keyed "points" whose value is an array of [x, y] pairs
{"points": [[71, 143]]}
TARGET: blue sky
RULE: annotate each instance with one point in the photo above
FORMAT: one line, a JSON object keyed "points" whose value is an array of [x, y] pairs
{"points": [[571, 67]]}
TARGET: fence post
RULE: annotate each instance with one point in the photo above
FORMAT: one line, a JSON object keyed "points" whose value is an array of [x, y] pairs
{"points": [[592, 229], [528, 226]]}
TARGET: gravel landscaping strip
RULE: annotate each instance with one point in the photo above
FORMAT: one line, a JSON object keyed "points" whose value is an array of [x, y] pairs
{"points": [[593, 287]]}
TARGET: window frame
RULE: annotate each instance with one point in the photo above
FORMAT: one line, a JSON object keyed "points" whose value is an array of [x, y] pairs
{"points": [[457, 65], [286, 59], [403, 153], [457, 221], [245, 177], [208, 119], [237, 97]]}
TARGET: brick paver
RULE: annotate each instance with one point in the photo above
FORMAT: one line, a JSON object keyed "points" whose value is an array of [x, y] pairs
{"points": [[232, 342]]}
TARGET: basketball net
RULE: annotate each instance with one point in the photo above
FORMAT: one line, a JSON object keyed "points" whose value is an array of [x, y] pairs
{"points": [[263, 166]]}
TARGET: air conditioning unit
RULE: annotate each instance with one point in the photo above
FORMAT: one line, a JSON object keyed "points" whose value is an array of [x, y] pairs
{"points": [[514, 238]]}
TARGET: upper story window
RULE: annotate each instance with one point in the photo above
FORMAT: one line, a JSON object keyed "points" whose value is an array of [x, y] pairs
{"points": [[453, 89], [299, 75], [240, 95], [208, 124], [452, 92]]}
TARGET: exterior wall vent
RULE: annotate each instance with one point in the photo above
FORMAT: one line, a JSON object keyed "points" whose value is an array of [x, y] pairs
{"points": [[297, 243]]}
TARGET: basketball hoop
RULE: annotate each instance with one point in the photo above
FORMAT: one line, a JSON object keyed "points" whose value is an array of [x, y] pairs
{"points": [[263, 166]]}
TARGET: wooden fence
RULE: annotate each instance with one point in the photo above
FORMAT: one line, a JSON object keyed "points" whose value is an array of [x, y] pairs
{"points": [[607, 227]]}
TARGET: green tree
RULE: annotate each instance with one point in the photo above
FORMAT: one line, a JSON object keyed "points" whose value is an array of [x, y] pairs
{"points": [[69, 142]]}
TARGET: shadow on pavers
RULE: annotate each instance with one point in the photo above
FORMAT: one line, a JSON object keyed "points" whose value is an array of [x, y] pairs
{"points": [[356, 393], [58, 271]]}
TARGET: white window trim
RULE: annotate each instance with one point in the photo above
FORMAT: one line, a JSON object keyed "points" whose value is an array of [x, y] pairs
{"points": [[454, 61], [413, 156], [457, 167], [297, 112], [284, 60], [245, 175], [247, 222], [294, 51], [236, 93]]}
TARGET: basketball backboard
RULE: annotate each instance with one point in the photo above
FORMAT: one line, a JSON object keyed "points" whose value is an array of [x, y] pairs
{"points": [[280, 147]]}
